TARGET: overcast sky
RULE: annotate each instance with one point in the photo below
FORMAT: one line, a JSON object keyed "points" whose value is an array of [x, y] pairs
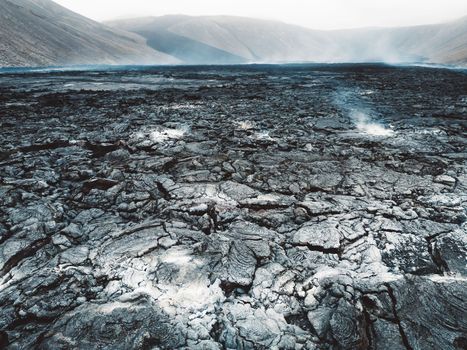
{"points": [[318, 14]]}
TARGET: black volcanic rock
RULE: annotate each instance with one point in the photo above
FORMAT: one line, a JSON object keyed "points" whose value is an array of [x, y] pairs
{"points": [[249, 207]]}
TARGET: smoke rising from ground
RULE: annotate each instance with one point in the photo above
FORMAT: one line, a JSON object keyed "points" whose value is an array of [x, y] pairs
{"points": [[361, 116], [364, 123]]}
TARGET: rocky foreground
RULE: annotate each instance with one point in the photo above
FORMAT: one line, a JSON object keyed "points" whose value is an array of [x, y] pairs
{"points": [[302, 207]]}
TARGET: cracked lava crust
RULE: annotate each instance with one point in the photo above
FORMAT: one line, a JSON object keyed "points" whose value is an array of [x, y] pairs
{"points": [[250, 207]]}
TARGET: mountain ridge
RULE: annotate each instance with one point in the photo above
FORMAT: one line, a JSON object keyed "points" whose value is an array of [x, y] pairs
{"points": [[41, 32], [271, 41]]}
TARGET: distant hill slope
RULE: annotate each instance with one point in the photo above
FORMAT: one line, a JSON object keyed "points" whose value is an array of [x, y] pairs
{"points": [[244, 39], [224, 39], [444, 43], [41, 32]]}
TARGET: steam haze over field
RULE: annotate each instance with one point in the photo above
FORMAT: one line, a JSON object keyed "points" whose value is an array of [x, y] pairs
{"points": [[314, 14], [70, 32]]}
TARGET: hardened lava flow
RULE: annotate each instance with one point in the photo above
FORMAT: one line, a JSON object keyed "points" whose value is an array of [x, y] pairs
{"points": [[248, 207]]}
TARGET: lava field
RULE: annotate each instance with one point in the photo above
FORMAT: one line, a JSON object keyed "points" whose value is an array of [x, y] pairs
{"points": [[236, 207]]}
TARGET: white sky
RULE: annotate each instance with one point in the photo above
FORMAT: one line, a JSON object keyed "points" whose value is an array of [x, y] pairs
{"points": [[317, 14]]}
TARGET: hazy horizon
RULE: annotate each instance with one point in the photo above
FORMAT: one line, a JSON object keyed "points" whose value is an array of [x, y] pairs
{"points": [[315, 14]]}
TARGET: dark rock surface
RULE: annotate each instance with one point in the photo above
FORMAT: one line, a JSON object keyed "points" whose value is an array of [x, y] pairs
{"points": [[300, 207]]}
